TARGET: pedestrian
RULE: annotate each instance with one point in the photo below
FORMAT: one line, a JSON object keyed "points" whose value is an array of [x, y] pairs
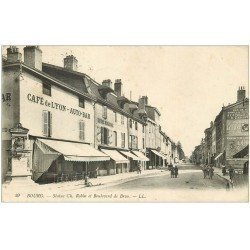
{"points": [[228, 186], [204, 171], [224, 171], [172, 171], [231, 172], [139, 168], [176, 171], [211, 172]]}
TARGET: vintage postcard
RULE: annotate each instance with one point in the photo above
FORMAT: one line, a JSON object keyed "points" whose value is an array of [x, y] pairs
{"points": [[125, 123]]}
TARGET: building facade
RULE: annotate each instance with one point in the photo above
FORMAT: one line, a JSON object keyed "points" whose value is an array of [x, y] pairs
{"points": [[60, 124], [228, 135]]}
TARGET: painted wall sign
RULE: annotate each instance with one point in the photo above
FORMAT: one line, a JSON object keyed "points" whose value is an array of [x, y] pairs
{"points": [[238, 113], [55, 105], [238, 126], [101, 121]]}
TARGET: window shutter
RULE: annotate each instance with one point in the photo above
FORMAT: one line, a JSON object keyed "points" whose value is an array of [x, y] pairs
{"points": [[102, 135], [45, 123], [81, 130], [50, 123]]}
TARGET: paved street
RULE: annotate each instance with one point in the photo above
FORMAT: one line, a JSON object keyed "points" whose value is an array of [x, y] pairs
{"points": [[190, 177]]}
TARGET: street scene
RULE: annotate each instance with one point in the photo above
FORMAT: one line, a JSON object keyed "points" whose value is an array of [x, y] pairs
{"points": [[134, 129]]}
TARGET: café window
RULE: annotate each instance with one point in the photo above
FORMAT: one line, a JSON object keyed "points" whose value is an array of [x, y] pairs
{"points": [[123, 140], [81, 102], [104, 112], [46, 89], [115, 138], [47, 123], [81, 130], [115, 116], [104, 136], [143, 128], [136, 126], [143, 143]]}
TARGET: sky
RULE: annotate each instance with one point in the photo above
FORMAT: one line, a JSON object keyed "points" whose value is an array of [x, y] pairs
{"points": [[188, 84]]}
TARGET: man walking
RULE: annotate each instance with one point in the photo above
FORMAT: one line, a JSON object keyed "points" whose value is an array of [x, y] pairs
{"points": [[176, 171], [231, 172], [211, 172]]}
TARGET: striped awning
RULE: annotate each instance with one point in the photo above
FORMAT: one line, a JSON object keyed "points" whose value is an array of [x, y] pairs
{"points": [[76, 151], [159, 154], [140, 155], [115, 155], [130, 155], [218, 156]]}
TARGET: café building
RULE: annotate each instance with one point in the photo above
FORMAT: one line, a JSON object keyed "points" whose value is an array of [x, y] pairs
{"points": [[48, 124]]}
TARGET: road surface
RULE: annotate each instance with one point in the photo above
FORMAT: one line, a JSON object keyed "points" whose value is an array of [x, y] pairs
{"points": [[190, 177]]}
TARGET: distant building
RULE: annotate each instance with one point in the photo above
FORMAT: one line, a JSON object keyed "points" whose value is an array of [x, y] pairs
{"points": [[227, 136]]}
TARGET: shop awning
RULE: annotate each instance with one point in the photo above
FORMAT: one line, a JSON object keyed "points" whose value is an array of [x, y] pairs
{"points": [[76, 151], [242, 153], [140, 155], [130, 155], [159, 154], [218, 156], [115, 155]]}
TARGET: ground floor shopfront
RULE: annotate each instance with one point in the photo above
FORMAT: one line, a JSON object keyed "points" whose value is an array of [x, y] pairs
{"points": [[55, 160], [52, 160], [122, 161], [156, 159]]}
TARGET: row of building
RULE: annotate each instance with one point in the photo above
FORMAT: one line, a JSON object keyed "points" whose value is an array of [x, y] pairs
{"points": [[56, 120], [226, 141]]}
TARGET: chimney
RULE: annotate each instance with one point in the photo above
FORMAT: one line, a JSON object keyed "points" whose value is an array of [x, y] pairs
{"points": [[118, 87], [107, 83], [13, 54], [143, 101], [70, 62], [33, 57], [241, 94]]}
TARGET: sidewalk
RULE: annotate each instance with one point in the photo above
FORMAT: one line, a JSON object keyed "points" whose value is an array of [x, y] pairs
{"points": [[99, 182], [109, 180], [218, 171]]}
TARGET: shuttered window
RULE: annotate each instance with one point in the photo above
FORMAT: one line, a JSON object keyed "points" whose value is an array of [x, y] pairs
{"points": [[123, 140], [122, 119], [115, 138], [47, 123], [104, 112], [104, 136], [81, 130]]}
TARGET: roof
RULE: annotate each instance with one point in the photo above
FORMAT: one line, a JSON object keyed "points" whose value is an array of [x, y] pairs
{"points": [[44, 75], [81, 85], [230, 106], [91, 87]]}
